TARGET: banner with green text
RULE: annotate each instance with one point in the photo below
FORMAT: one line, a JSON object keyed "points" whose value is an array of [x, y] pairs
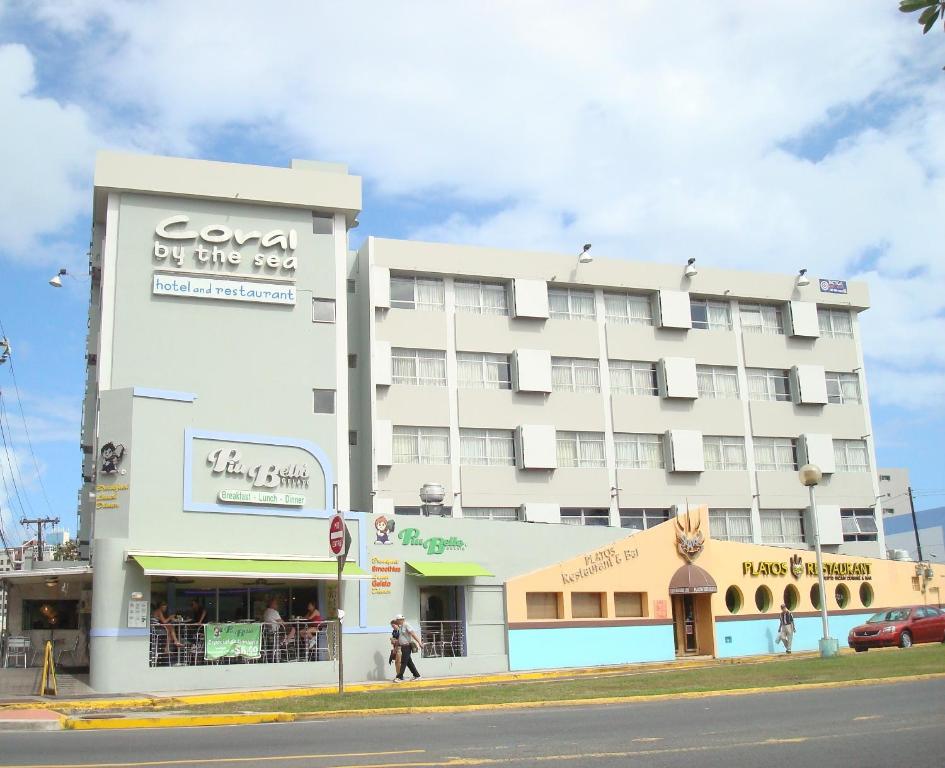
{"points": [[230, 640]]}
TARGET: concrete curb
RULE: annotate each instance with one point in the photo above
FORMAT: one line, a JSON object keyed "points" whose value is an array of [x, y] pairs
{"points": [[165, 702], [185, 721]]}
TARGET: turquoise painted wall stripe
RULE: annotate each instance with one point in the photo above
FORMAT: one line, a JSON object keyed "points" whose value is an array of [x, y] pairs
{"points": [[747, 638], [589, 646]]}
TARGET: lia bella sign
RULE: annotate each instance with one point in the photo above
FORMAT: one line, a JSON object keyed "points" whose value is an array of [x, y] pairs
{"points": [[435, 545], [263, 478]]}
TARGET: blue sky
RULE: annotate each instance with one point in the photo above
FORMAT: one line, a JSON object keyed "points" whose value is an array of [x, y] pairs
{"points": [[797, 134]]}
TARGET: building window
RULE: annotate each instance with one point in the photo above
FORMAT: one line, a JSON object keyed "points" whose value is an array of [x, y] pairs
{"points": [[352, 437], [726, 453], [574, 516], [775, 454], [491, 513], [763, 599], [630, 377], [419, 367], [815, 596], [587, 605], [571, 304], [791, 597], [885, 478], [639, 451], [628, 308], [352, 361], [487, 447], [422, 293], [481, 298], [733, 599], [629, 605], [352, 286], [323, 310], [730, 524], [573, 374], [324, 400], [719, 382], [406, 510], [421, 445], [782, 526], [480, 370], [769, 384], [711, 315], [761, 318], [842, 596], [866, 594], [641, 519], [858, 524], [580, 449], [835, 323], [543, 605], [843, 387], [851, 456]]}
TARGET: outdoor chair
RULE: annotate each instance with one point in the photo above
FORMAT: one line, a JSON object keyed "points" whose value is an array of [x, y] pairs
{"points": [[71, 650], [17, 647]]}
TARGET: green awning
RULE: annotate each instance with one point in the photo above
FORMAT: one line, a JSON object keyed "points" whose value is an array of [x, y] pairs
{"points": [[220, 568], [429, 568]]}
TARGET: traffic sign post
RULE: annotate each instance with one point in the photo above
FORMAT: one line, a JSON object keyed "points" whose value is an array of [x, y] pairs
{"points": [[339, 540]]}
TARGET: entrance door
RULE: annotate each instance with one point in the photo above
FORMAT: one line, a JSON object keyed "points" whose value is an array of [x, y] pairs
{"points": [[684, 621], [441, 622]]}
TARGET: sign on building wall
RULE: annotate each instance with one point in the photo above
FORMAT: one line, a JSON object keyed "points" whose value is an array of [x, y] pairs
{"points": [[224, 290], [833, 286], [241, 474]]}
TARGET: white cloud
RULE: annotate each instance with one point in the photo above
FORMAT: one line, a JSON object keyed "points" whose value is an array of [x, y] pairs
{"points": [[653, 133]]}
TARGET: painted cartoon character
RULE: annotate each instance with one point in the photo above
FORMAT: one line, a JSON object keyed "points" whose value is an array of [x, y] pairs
{"points": [[384, 529], [111, 458]]}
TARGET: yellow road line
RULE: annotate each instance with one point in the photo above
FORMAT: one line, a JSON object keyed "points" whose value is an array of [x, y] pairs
{"points": [[219, 760]]}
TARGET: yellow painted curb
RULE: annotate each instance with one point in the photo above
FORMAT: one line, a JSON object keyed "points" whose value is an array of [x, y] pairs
{"points": [[165, 702], [184, 721]]}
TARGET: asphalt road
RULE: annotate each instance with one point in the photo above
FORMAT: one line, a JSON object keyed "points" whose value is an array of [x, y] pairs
{"points": [[886, 725]]}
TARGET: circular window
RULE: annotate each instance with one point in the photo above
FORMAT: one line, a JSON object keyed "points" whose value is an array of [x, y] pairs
{"points": [[815, 596], [791, 597], [866, 594], [763, 599], [733, 599], [843, 595]]}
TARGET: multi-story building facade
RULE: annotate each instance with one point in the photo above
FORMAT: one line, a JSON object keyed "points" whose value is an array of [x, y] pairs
{"points": [[534, 386], [249, 375]]}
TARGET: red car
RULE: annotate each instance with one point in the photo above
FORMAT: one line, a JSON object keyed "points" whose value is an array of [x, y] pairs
{"points": [[899, 626]]}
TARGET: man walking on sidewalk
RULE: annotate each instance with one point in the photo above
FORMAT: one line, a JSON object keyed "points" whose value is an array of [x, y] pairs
{"points": [[409, 642], [786, 628]]}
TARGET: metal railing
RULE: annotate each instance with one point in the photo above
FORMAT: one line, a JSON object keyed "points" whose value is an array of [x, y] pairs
{"points": [[291, 642], [443, 638]]}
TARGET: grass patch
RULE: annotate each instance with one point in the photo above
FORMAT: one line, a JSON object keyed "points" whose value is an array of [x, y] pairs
{"points": [[721, 677]]}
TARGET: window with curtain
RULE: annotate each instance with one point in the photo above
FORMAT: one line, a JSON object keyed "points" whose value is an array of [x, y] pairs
{"points": [[491, 513], [858, 524], [722, 452], [641, 519], [631, 377], [420, 367], [487, 447], [782, 526], [421, 445], [421, 293], [580, 449], [628, 308], [775, 454], [851, 456], [761, 318], [481, 298], [769, 384], [580, 516], [639, 451], [717, 381], [711, 315], [835, 323], [483, 370], [574, 374], [571, 304], [730, 524], [843, 387]]}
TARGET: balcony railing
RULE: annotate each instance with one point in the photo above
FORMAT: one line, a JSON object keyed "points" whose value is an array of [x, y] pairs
{"points": [[443, 638], [291, 642]]}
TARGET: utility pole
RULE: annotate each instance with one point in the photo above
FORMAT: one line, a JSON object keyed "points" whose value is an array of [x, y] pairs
{"points": [[39, 522], [915, 527]]}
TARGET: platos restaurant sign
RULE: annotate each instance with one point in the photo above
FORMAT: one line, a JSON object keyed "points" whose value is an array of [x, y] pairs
{"points": [[853, 571], [599, 561]]}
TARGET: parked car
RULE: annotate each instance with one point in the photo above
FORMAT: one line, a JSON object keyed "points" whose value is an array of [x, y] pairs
{"points": [[899, 626]]}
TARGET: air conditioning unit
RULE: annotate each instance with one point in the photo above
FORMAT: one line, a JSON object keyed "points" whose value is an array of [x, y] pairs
{"points": [[898, 554]]}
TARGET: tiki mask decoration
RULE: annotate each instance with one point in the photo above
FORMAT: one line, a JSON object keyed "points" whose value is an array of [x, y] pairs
{"points": [[689, 538]]}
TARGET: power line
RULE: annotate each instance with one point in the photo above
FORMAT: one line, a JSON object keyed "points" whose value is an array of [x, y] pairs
{"points": [[3, 471], [15, 466]]}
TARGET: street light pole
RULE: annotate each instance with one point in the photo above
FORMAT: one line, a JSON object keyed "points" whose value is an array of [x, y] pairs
{"points": [[810, 475]]}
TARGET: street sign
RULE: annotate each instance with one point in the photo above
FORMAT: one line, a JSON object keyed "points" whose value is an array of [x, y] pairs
{"points": [[336, 535]]}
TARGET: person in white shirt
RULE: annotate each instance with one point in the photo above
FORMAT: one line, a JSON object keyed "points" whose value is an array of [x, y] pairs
{"points": [[273, 619], [408, 635]]}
